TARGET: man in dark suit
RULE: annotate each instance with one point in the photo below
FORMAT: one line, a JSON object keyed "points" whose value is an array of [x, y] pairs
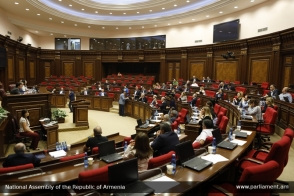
{"points": [[85, 91], [165, 141], [94, 141], [71, 97], [273, 92], [194, 79], [143, 98], [17, 89], [20, 158], [102, 93], [137, 93], [194, 100], [61, 92], [163, 106]]}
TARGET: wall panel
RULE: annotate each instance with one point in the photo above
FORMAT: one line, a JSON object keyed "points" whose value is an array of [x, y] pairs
{"points": [[21, 69], [259, 70], [68, 69], [226, 70], [32, 70], [88, 69], [10, 69], [47, 70], [287, 76], [196, 69]]}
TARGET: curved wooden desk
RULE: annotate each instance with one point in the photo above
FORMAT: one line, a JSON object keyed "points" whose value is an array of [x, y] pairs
{"points": [[97, 102]]}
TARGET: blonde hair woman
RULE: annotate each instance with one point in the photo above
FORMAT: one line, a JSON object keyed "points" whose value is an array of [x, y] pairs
{"points": [[183, 97], [269, 102], [204, 114]]}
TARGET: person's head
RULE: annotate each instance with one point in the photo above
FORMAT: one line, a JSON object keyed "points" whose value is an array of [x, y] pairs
{"points": [[25, 113], [220, 90], [245, 97], [194, 95], [285, 90], [208, 78], [19, 85], [207, 124], [97, 131], [240, 94], [203, 78], [166, 117], [269, 101], [154, 96], [183, 93], [19, 148], [142, 146], [137, 88], [162, 99], [272, 87], [201, 87], [61, 88], [222, 84], [102, 90], [171, 85], [253, 102], [209, 104], [206, 111], [163, 84], [106, 81], [164, 127], [174, 113], [194, 77], [85, 88]]}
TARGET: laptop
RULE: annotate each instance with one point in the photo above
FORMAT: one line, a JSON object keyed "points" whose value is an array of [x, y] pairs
{"points": [[126, 173], [141, 125], [107, 152], [191, 122], [188, 158], [217, 135], [227, 145], [240, 134]]}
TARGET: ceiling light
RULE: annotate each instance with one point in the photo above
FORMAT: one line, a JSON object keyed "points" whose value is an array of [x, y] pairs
{"points": [[220, 12], [236, 7], [62, 22], [16, 3], [38, 14], [168, 24], [180, 22], [125, 13], [83, 9], [70, 5], [27, 9], [187, 1], [163, 8], [103, 27], [175, 5], [116, 27], [76, 25], [130, 27], [110, 13], [138, 12], [155, 25], [51, 33], [89, 26], [64, 35], [252, 1], [50, 18], [150, 10], [37, 31], [96, 12], [60, 0], [193, 19], [142, 27], [207, 16]]}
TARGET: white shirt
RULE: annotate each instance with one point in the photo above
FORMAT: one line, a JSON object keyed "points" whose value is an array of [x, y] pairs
{"points": [[204, 134], [21, 120], [85, 92], [194, 84], [282, 95]]}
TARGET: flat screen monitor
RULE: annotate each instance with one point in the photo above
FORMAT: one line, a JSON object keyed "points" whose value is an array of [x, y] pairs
{"points": [[226, 31]]}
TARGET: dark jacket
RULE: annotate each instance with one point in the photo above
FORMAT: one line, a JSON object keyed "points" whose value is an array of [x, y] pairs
{"points": [[194, 101], [143, 99], [15, 91], [165, 143], [71, 96], [94, 141], [275, 93], [21, 159]]}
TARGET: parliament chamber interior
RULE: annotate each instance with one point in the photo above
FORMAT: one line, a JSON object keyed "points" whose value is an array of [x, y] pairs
{"points": [[143, 114]]}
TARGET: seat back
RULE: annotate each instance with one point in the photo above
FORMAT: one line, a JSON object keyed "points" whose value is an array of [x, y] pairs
{"points": [[196, 145], [269, 117], [78, 156], [261, 174], [111, 95], [174, 125], [216, 108], [265, 91], [223, 110], [160, 160], [189, 98], [264, 85], [210, 93], [16, 168], [241, 89], [94, 176], [198, 102], [219, 118], [95, 150], [223, 124]]}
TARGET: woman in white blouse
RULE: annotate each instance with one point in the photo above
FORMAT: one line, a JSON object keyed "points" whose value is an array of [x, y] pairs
{"points": [[25, 130], [254, 109], [183, 97], [141, 149]]}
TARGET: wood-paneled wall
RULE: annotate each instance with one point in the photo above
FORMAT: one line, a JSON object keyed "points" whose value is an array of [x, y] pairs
{"points": [[265, 58]]}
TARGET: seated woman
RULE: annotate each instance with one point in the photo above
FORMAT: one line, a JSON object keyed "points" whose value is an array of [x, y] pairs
{"points": [[209, 104], [154, 101], [201, 90], [183, 97], [254, 109], [24, 129], [238, 99], [269, 102], [219, 95], [204, 114], [141, 149], [119, 74]]}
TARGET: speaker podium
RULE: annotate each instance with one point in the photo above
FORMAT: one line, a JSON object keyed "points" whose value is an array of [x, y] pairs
{"points": [[80, 112]]}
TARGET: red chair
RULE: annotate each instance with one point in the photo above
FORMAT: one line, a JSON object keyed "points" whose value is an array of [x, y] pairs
{"points": [[241, 89], [223, 110], [111, 95], [265, 91], [216, 108], [127, 139], [16, 168], [196, 145], [163, 93], [259, 174], [210, 93], [174, 125], [219, 118], [95, 150], [160, 160], [237, 82], [215, 86], [189, 98], [198, 103], [77, 156], [269, 118], [94, 176], [182, 114], [264, 85], [177, 95], [43, 83], [223, 124], [149, 100]]}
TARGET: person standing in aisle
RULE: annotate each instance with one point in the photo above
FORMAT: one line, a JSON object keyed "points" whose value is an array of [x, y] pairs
{"points": [[122, 101], [71, 97]]}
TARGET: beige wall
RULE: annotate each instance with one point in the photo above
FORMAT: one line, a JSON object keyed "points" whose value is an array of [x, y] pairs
{"points": [[274, 14]]}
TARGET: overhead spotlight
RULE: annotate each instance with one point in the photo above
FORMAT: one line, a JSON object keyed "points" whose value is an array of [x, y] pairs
{"points": [[19, 39]]}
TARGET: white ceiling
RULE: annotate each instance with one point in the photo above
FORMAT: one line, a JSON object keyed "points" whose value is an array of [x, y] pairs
{"points": [[62, 17]]}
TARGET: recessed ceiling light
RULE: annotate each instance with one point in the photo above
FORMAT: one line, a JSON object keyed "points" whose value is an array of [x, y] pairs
{"points": [[50, 18], [155, 25], [130, 27], [16, 3], [64, 35], [38, 14], [220, 31], [89, 26], [187, 1], [168, 24], [51, 33], [60, 0], [138, 12], [193, 19], [236, 7], [37, 31], [76, 25], [252, 1], [125, 13], [116, 27], [180, 22], [83, 9], [70, 5], [62, 22], [150, 10], [175, 5], [103, 27], [220, 12], [96, 12], [207, 16], [27, 9], [142, 27], [110, 13], [163, 8]]}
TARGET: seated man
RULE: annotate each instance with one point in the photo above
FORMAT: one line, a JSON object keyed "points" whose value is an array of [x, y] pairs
{"points": [[207, 128], [102, 93], [194, 100], [194, 84], [164, 108], [273, 92], [85, 92], [20, 158], [219, 95], [286, 95], [94, 141], [61, 92], [165, 141], [173, 115], [143, 98], [17, 89]]}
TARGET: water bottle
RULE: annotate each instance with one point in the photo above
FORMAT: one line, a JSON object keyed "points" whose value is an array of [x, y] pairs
{"points": [[231, 134], [174, 163], [65, 146], [179, 130], [86, 161], [156, 113], [57, 146], [126, 145], [214, 146]]}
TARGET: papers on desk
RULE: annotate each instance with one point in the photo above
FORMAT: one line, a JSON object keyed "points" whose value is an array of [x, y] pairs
{"points": [[50, 124], [157, 120], [214, 158], [57, 154], [165, 184], [248, 132], [151, 125], [239, 142], [44, 119]]}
